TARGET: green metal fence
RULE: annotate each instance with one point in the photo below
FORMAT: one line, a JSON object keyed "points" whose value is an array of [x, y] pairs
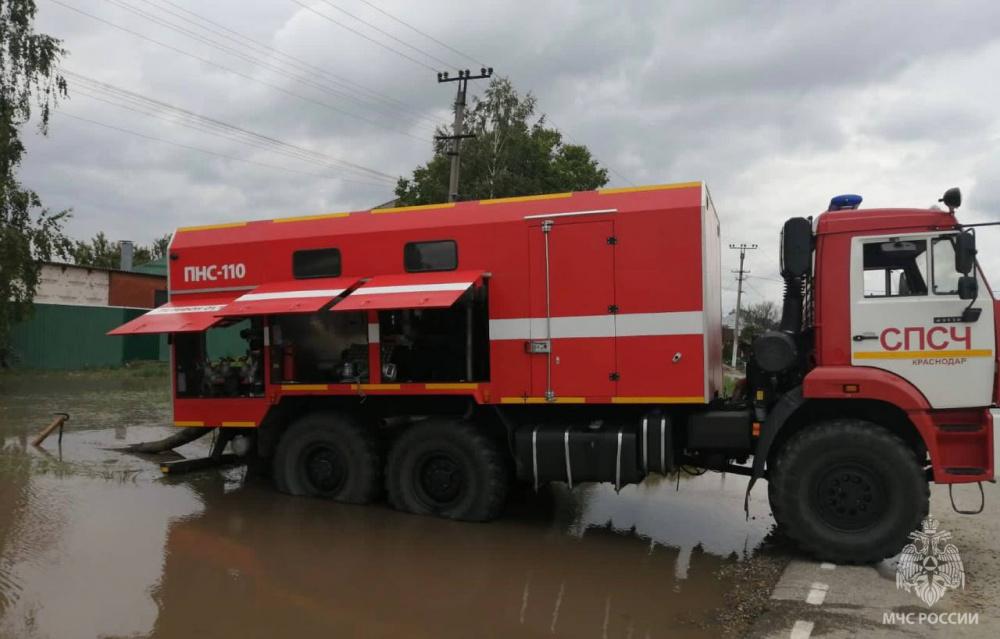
{"points": [[59, 336]]}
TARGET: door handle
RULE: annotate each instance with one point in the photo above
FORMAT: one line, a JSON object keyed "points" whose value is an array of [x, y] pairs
{"points": [[863, 336]]}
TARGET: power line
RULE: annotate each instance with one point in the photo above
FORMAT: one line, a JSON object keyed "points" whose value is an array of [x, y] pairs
{"points": [[366, 37], [767, 279], [348, 84], [235, 72], [249, 58], [426, 35], [208, 152], [234, 134], [216, 131], [231, 130], [754, 288], [342, 86], [389, 35], [573, 141], [156, 108]]}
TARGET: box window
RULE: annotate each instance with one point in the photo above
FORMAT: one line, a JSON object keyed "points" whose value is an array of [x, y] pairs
{"points": [[316, 263], [439, 255]]}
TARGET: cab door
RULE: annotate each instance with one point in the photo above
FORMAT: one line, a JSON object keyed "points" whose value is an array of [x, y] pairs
{"points": [[906, 318]]}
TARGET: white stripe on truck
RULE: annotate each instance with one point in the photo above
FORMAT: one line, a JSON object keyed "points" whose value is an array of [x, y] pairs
{"points": [[620, 325], [285, 295], [412, 288]]}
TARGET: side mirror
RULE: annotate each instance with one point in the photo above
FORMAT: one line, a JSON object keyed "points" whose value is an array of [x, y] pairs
{"points": [[968, 287], [796, 247], [965, 253]]}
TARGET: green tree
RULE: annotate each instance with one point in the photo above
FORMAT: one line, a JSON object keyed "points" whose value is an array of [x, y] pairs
{"points": [[757, 318], [513, 153], [754, 320], [29, 233], [100, 252]]}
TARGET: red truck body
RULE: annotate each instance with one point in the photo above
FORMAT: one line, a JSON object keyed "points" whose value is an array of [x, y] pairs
{"points": [[577, 337], [631, 327]]}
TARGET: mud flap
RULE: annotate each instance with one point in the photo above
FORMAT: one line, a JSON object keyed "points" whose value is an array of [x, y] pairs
{"points": [[783, 409]]}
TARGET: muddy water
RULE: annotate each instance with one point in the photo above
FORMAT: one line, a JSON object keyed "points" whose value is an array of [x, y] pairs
{"points": [[94, 543]]}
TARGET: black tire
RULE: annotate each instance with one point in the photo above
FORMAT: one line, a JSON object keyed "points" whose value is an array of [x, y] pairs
{"points": [[449, 469], [847, 491], [329, 455]]}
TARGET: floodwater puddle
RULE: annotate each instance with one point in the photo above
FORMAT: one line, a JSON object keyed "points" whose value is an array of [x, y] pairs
{"points": [[94, 542]]}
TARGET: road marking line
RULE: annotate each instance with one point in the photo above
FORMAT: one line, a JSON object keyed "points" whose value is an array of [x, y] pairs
{"points": [[827, 565], [817, 593], [802, 629], [555, 611], [607, 617], [524, 595]]}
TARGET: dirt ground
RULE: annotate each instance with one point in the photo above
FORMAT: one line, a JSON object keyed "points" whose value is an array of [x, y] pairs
{"points": [[97, 543]]}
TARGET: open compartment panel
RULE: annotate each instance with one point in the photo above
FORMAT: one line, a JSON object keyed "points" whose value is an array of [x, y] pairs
{"points": [[295, 296], [177, 316], [410, 290]]}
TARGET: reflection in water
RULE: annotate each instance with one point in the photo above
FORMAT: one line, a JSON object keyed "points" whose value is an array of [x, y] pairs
{"points": [[293, 565], [100, 545]]}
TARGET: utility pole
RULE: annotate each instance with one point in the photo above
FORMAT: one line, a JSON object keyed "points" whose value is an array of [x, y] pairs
{"points": [[740, 276], [458, 128]]}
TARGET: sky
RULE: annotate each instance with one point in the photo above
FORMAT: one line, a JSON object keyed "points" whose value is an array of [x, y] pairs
{"points": [[777, 106]]}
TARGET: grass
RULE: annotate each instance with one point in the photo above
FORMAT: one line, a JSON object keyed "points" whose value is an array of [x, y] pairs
{"points": [[131, 370]]}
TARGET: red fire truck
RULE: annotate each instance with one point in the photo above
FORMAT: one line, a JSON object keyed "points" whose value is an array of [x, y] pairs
{"points": [[437, 353]]}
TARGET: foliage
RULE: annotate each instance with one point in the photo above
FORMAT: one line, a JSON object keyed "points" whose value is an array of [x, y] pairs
{"points": [[754, 320], [757, 318], [513, 153], [101, 252], [29, 233]]}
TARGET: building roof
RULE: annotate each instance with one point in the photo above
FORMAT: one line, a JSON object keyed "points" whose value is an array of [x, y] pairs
{"points": [[156, 267], [84, 267]]}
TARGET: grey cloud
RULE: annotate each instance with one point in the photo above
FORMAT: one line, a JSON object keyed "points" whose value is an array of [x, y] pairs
{"points": [[777, 105]]}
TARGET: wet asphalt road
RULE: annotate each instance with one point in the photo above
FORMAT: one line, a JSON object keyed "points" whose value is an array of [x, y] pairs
{"points": [[96, 543]]}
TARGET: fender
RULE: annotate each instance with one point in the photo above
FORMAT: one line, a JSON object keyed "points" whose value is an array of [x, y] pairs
{"points": [[828, 382]]}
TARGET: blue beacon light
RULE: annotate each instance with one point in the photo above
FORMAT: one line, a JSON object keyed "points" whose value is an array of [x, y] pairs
{"points": [[842, 202]]}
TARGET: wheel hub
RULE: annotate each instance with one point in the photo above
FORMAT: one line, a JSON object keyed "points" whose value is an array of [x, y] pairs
{"points": [[324, 469], [850, 497], [441, 479]]}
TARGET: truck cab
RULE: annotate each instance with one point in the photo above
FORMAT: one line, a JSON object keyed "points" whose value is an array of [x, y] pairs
{"points": [[887, 342]]}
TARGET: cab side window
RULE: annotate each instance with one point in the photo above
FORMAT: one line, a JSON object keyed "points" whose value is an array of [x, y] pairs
{"points": [[896, 268], [943, 261]]}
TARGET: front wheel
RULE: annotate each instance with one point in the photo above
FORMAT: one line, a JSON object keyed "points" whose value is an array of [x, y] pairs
{"points": [[848, 491]]}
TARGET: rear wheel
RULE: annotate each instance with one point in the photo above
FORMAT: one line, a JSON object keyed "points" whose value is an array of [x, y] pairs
{"points": [[848, 491], [449, 469], [329, 455]]}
